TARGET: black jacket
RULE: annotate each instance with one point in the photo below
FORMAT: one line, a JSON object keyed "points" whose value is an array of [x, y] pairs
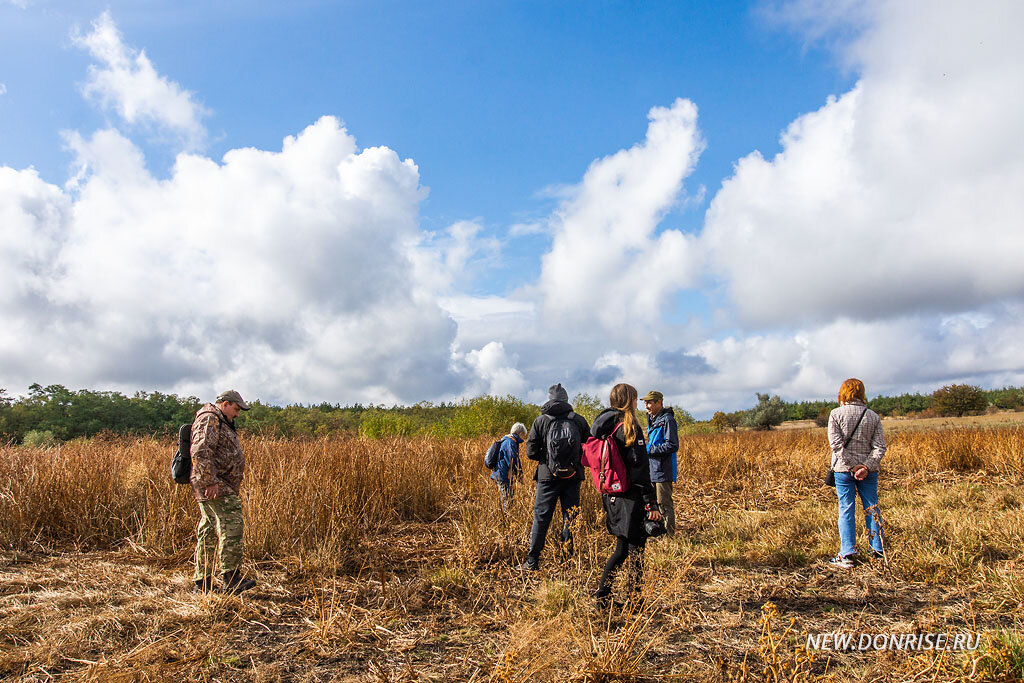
{"points": [[537, 441], [625, 515]]}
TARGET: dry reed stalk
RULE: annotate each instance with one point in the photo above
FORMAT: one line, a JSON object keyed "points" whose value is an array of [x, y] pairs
{"points": [[381, 547]]}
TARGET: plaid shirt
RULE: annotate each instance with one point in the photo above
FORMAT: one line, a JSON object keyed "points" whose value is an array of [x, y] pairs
{"points": [[868, 443]]}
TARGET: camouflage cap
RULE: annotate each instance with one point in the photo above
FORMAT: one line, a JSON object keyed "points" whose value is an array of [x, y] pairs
{"points": [[653, 395], [234, 397]]}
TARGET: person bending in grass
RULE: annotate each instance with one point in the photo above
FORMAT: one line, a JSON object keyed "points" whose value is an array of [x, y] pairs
{"points": [[509, 470], [858, 444], [626, 515]]}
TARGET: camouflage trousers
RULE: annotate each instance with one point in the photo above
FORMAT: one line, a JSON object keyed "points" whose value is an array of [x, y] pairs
{"points": [[222, 520]]}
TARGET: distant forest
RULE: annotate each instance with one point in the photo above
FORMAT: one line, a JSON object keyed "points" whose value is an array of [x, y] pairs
{"points": [[50, 414]]}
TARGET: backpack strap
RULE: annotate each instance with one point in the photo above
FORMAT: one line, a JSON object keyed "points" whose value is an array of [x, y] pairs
{"points": [[604, 450]]}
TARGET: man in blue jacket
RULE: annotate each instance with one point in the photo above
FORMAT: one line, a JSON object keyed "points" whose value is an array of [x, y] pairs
{"points": [[509, 469], [662, 445]]}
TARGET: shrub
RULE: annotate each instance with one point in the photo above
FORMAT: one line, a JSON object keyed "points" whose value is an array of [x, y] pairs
{"points": [[39, 439], [688, 428], [1010, 398], [958, 400], [821, 419], [769, 412], [486, 415], [378, 424]]}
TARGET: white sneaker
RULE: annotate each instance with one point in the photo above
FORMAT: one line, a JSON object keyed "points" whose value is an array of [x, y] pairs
{"points": [[841, 562]]}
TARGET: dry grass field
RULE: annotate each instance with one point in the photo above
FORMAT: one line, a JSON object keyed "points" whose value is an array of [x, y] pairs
{"points": [[1003, 418], [391, 561]]}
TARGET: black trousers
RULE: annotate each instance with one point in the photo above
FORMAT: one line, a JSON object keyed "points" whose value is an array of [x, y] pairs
{"points": [[624, 547], [550, 492]]}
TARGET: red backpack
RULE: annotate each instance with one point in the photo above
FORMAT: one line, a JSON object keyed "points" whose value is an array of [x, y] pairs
{"points": [[606, 465]]}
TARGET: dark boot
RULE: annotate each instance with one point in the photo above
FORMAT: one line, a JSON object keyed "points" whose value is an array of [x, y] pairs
{"points": [[235, 584], [531, 564], [203, 585], [603, 597]]}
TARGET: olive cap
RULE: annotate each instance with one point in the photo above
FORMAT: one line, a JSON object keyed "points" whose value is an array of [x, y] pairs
{"points": [[234, 397]]}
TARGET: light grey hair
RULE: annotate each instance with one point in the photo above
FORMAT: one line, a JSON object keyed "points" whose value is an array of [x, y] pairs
{"points": [[518, 428]]}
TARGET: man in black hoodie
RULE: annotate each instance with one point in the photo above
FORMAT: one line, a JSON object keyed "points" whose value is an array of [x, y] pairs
{"points": [[555, 442]]}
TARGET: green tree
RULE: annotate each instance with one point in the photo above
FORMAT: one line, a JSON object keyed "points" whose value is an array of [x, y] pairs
{"points": [[769, 412], [821, 419], [900, 405], [586, 405], [683, 416], [720, 422], [1007, 398], [958, 400]]}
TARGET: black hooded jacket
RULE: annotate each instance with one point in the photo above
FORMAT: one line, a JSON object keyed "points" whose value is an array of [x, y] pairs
{"points": [[626, 514], [536, 442]]}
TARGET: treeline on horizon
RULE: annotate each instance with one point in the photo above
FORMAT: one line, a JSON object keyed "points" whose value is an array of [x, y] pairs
{"points": [[54, 414]]}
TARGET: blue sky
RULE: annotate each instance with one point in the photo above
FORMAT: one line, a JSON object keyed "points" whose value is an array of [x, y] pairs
{"points": [[495, 101], [795, 141]]}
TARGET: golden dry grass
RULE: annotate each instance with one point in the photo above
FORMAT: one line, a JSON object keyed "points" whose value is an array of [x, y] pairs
{"points": [[391, 560], [1002, 418]]}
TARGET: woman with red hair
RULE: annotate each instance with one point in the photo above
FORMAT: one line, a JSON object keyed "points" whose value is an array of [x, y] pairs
{"points": [[858, 444]]}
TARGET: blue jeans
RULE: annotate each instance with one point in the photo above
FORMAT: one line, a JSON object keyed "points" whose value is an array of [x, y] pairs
{"points": [[507, 492], [847, 489]]}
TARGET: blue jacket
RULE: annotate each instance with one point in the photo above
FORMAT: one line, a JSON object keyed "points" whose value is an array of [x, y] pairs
{"points": [[508, 459], [662, 444]]}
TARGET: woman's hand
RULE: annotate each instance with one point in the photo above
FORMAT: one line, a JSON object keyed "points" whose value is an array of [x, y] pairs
{"points": [[654, 516], [860, 473]]}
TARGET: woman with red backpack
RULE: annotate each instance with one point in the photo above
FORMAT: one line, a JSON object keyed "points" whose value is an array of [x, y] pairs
{"points": [[627, 514]]}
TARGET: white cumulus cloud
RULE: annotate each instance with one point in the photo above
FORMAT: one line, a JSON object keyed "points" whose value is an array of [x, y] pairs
{"points": [[127, 82], [497, 368], [905, 194], [604, 243], [283, 271], [872, 245]]}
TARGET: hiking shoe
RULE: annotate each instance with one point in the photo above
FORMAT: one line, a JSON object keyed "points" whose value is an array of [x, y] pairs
{"points": [[531, 565], [203, 585], [875, 555], [841, 562], [235, 584], [603, 598]]}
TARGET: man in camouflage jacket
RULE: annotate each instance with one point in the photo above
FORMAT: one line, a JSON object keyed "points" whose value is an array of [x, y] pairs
{"points": [[218, 465]]}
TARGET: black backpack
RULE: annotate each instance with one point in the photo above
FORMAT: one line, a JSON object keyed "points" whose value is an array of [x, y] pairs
{"points": [[491, 457], [181, 465], [563, 444]]}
